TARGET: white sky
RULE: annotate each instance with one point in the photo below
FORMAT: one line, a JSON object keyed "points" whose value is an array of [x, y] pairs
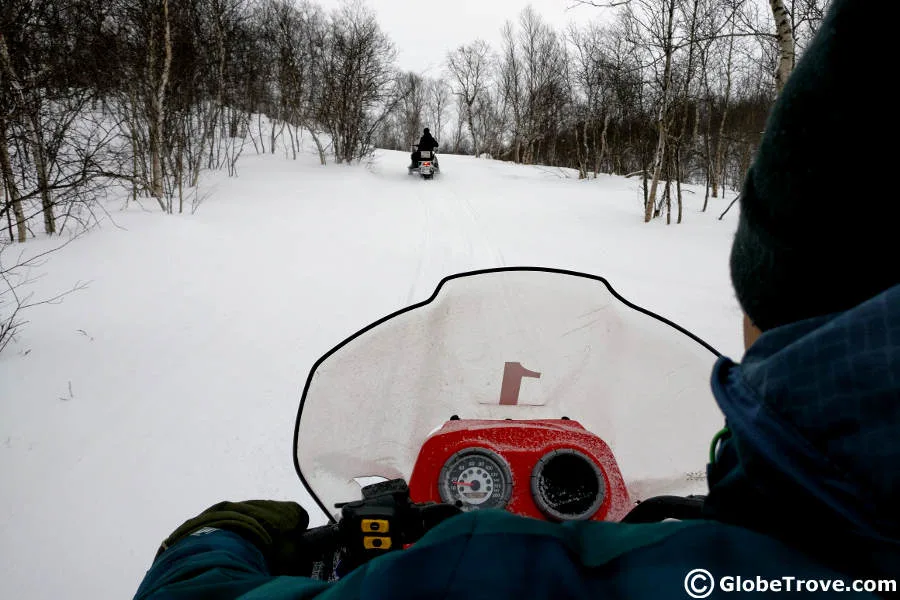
{"points": [[424, 31]]}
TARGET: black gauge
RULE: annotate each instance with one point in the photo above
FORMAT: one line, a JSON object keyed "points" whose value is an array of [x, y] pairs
{"points": [[567, 485], [474, 479]]}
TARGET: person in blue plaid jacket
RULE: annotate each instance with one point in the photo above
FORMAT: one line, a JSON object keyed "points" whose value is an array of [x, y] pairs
{"points": [[805, 483]]}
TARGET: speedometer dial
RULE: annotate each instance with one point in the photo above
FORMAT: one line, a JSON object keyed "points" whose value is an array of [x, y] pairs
{"points": [[475, 478]]}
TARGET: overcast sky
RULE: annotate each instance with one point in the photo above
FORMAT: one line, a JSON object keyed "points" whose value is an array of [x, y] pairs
{"points": [[424, 31]]}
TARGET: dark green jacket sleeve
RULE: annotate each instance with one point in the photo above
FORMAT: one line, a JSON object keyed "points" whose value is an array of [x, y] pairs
{"points": [[499, 556], [214, 564]]}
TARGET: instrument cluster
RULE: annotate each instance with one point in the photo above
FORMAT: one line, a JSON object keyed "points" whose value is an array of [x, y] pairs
{"points": [[551, 469]]}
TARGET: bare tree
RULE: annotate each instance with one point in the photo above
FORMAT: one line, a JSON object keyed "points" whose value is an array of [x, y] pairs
{"points": [[511, 84], [543, 85], [459, 126], [359, 85], [159, 81], [489, 121], [295, 35], [57, 150], [660, 26], [413, 90], [717, 166], [15, 299], [438, 100], [469, 67]]}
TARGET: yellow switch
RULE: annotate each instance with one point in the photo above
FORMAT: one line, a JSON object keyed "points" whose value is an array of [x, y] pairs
{"points": [[371, 542], [375, 526]]}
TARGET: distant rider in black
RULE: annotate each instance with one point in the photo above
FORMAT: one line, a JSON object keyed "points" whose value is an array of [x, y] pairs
{"points": [[427, 142]]}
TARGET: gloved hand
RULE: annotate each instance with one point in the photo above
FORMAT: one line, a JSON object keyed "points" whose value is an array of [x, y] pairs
{"points": [[275, 527]]}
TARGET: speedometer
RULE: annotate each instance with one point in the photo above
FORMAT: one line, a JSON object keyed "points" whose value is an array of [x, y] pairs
{"points": [[475, 478]]}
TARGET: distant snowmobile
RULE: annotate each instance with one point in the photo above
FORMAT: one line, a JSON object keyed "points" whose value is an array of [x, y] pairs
{"points": [[425, 163]]}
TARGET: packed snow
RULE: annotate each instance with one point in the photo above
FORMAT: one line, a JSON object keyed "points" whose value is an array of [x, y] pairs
{"points": [[171, 382]]}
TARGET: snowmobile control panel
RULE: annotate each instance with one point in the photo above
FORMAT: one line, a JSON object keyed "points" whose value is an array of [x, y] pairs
{"points": [[550, 469]]}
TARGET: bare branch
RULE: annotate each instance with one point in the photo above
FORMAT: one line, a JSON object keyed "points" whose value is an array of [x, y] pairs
{"points": [[608, 4]]}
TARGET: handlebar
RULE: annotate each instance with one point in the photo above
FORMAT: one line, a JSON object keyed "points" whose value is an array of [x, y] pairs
{"points": [[660, 508], [321, 540], [385, 520]]}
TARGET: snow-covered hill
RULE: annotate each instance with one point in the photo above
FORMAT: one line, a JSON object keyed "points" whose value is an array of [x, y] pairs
{"points": [[172, 381]]}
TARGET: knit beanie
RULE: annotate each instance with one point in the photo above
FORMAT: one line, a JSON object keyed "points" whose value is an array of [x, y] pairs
{"points": [[817, 233]]}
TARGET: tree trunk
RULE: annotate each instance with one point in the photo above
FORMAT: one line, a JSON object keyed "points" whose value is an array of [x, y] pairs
{"points": [[471, 119], [658, 160], [179, 168], [785, 34], [293, 145], [11, 189], [40, 166], [661, 120], [318, 142], [159, 104], [696, 129], [135, 153], [706, 193], [678, 176], [644, 182], [580, 154], [603, 145], [720, 144], [587, 149], [668, 190], [33, 132]]}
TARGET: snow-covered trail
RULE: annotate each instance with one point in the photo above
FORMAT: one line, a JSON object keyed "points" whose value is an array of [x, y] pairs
{"points": [[453, 237], [172, 381]]}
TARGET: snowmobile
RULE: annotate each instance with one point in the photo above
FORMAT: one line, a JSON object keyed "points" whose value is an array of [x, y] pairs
{"points": [[538, 391], [426, 165]]}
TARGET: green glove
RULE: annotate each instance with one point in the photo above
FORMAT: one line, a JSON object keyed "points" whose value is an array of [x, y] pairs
{"points": [[275, 527]]}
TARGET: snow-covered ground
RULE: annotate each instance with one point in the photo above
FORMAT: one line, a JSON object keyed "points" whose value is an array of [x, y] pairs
{"points": [[172, 381]]}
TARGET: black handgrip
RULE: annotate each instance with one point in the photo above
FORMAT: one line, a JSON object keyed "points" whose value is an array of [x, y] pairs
{"points": [[660, 508], [433, 515], [323, 540]]}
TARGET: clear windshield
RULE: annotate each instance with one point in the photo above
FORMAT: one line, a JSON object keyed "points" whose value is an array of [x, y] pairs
{"points": [[510, 343]]}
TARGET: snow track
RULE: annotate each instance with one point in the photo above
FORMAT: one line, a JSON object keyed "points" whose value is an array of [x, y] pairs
{"points": [[453, 236]]}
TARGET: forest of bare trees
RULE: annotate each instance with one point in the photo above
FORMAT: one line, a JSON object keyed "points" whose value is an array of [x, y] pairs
{"points": [[671, 91], [139, 97], [143, 95], [133, 100]]}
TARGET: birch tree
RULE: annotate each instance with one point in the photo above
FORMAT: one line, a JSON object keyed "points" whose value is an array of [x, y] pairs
{"points": [[159, 81], [664, 38], [784, 32]]}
